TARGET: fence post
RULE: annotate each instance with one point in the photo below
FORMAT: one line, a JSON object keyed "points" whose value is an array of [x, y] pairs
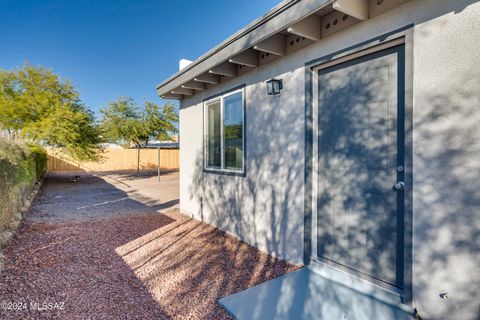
{"points": [[158, 164], [138, 161]]}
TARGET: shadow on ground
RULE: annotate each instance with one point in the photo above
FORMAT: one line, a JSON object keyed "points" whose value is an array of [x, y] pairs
{"points": [[117, 247], [64, 197]]}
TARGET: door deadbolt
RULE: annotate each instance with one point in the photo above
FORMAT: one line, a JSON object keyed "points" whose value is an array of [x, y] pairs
{"points": [[399, 186]]}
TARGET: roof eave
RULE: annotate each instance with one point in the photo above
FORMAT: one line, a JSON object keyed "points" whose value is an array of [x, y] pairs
{"points": [[290, 26], [269, 24]]}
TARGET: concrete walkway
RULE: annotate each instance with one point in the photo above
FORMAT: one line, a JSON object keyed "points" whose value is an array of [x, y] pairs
{"points": [[316, 292]]}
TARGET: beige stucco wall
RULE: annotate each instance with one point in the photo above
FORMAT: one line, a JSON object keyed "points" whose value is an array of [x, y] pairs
{"points": [[265, 208]]}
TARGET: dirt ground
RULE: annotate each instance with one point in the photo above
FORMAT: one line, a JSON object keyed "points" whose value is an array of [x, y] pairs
{"points": [[116, 247], [104, 196]]}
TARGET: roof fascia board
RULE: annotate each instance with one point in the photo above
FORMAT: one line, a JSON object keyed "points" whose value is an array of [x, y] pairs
{"points": [[273, 25]]}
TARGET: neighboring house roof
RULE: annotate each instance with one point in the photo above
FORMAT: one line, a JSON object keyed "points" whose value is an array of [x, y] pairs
{"points": [[164, 145], [111, 146], [291, 25]]}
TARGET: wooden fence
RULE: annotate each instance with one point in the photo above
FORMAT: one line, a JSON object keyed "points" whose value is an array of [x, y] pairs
{"points": [[116, 160]]}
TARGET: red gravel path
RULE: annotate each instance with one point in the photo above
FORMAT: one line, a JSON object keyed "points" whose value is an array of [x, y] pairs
{"points": [[134, 266]]}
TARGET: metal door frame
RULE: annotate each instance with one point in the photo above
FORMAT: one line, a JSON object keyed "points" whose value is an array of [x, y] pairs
{"points": [[394, 39]]}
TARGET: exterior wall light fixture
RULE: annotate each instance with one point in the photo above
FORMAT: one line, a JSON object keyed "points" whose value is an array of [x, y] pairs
{"points": [[274, 86]]}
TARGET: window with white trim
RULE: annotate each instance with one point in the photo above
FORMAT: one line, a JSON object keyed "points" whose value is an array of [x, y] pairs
{"points": [[224, 132]]}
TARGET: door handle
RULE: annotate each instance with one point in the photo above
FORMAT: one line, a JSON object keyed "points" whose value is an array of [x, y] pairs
{"points": [[399, 186]]}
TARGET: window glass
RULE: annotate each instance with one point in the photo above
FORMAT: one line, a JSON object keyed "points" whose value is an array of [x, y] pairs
{"points": [[233, 131], [224, 132], [214, 134]]}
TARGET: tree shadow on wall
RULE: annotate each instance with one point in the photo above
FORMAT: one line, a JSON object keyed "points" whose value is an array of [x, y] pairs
{"points": [[261, 208]]}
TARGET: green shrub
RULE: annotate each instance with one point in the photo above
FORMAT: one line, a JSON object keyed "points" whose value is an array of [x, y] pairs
{"points": [[20, 167], [39, 156]]}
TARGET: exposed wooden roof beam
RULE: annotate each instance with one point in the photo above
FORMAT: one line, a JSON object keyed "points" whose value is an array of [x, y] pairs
{"points": [[188, 92], [309, 28], [194, 85], [275, 45], [208, 78], [172, 96], [247, 58], [355, 8], [225, 69]]}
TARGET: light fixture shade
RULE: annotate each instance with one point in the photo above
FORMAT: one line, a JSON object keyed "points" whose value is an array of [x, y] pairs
{"points": [[274, 86]]}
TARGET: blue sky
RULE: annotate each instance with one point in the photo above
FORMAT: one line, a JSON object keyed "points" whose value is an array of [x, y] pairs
{"points": [[112, 48]]}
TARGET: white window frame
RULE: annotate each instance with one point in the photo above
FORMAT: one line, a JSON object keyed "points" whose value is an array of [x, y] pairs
{"points": [[208, 102]]}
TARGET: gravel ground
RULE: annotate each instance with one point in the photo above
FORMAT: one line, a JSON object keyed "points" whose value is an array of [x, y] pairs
{"points": [[93, 256]]}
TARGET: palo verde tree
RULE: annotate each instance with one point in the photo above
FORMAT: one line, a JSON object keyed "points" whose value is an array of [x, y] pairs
{"points": [[124, 123], [121, 123], [36, 105], [160, 122]]}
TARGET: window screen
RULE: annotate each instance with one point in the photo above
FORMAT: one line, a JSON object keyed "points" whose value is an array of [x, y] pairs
{"points": [[233, 132], [225, 132], [214, 134]]}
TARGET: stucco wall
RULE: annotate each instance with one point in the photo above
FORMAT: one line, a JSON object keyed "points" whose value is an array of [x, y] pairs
{"points": [[446, 201], [265, 208]]}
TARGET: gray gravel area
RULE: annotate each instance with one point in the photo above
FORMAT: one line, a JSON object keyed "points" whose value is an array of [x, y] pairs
{"points": [[116, 247], [66, 198]]}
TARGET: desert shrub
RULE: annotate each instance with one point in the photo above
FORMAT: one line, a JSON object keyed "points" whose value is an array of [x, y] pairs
{"points": [[20, 167], [39, 156]]}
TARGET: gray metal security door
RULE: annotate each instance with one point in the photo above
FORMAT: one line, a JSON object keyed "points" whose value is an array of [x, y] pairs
{"points": [[360, 165]]}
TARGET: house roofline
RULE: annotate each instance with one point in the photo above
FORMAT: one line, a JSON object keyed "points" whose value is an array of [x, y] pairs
{"points": [[290, 26], [237, 35]]}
